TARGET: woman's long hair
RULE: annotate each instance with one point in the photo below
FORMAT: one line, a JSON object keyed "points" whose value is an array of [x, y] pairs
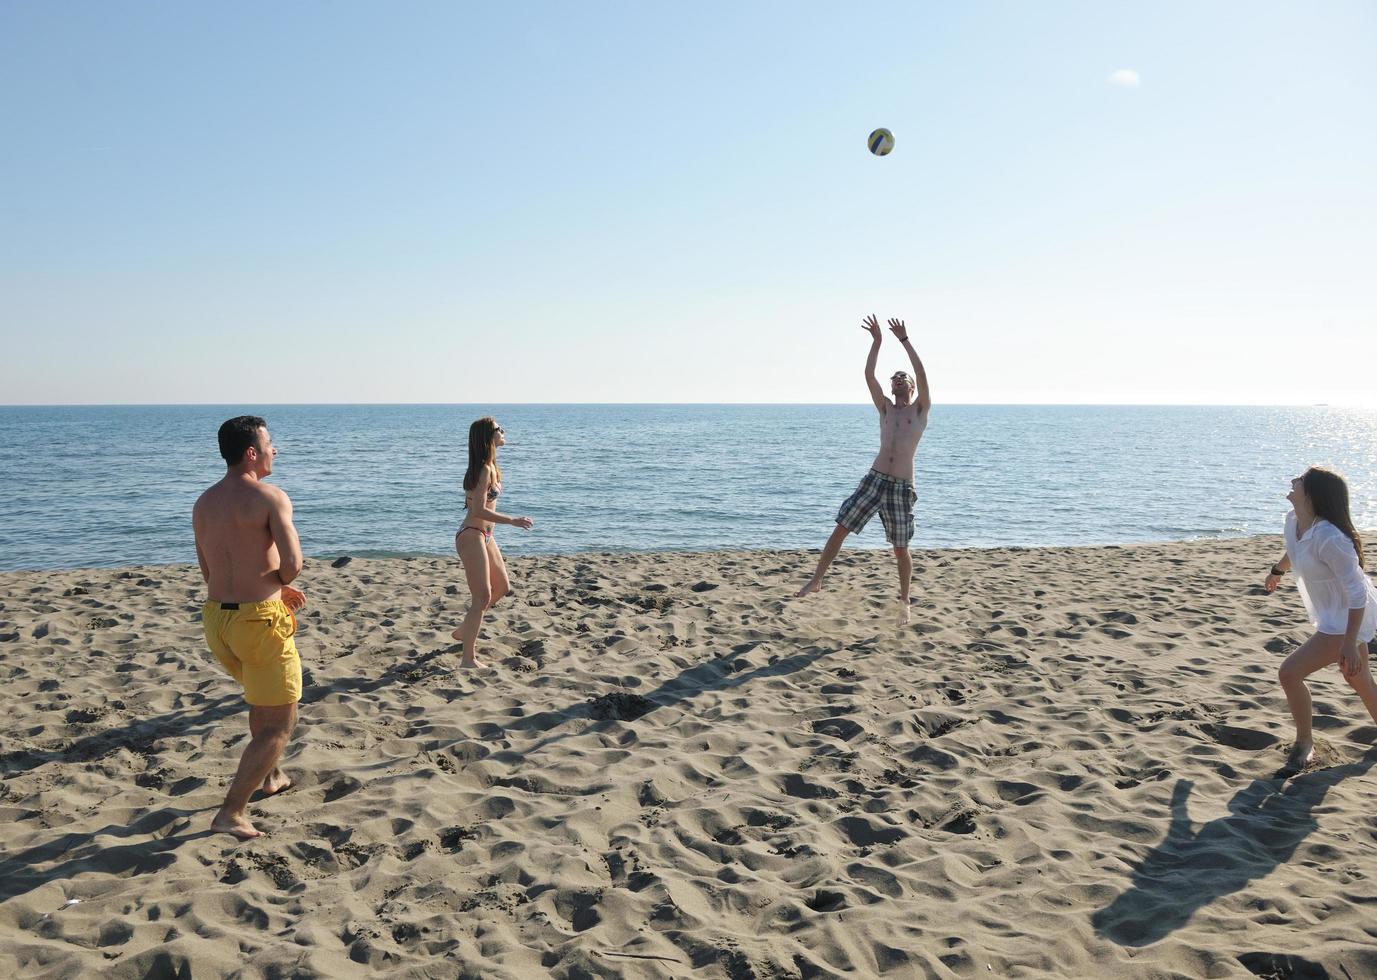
{"points": [[483, 452], [1328, 495]]}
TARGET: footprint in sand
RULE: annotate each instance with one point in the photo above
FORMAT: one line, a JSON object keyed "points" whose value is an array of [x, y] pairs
{"points": [[341, 788], [1238, 738], [825, 900], [842, 728]]}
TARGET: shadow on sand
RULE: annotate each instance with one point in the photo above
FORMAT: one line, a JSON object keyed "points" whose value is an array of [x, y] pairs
{"points": [[1189, 869], [139, 734], [161, 831], [83, 853], [720, 674]]}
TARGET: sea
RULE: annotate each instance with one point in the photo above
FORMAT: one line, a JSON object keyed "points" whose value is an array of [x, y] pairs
{"points": [[112, 486]]}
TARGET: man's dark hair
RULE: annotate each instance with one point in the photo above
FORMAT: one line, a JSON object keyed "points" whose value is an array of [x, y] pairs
{"points": [[237, 435]]}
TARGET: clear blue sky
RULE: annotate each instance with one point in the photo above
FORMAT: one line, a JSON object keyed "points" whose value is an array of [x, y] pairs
{"points": [[344, 202]]}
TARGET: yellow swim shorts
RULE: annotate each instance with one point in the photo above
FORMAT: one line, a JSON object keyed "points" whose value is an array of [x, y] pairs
{"points": [[255, 643]]}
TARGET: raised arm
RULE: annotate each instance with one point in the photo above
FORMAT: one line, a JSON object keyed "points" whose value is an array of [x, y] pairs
{"points": [[923, 397], [877, 394], [284, 536]]}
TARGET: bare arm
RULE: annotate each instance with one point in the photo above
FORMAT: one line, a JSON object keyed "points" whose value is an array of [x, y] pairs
{"points": [[877, 394], [484, 514], [1342, 558], [481, 510], [196, 537], [923, 397], [284, 536], [921, 377], [1274, 574], [479, 496]]}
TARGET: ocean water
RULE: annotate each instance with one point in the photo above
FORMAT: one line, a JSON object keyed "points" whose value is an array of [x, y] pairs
{"points": [[104, 486]]}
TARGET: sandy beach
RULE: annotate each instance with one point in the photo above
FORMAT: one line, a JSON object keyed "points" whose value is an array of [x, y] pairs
{"points": [[1061, 767]]}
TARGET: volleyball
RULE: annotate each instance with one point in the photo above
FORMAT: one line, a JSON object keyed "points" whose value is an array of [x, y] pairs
{"points": [[881, 142]]}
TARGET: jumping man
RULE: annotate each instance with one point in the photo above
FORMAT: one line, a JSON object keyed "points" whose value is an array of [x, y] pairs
{"points": [[888, 487]]}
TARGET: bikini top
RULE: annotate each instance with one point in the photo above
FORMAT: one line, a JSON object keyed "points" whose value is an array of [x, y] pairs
{"points": [[493, 490]]}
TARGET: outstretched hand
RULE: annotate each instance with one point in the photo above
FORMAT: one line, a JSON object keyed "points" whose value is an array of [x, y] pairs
{"points": [[898, 329], [872, 323], [525, 523]]}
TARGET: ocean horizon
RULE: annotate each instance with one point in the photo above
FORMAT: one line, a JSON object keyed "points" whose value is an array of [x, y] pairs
{"points": [[113, 485]]}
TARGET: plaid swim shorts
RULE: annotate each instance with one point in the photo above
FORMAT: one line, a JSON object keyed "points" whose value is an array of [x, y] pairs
{"points": [[891, 496]]}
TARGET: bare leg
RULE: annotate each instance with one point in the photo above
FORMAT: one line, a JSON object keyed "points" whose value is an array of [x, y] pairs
{"points": [[1318, 652], [473, 554], [1362, 683], [905, 561], [270, 726], [829, 552], [498, 582]]}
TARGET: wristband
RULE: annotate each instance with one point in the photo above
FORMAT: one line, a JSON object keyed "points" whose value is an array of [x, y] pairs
{"points": [[1277, 570]]}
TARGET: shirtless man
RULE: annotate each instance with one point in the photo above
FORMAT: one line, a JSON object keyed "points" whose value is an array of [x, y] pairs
{"points": [[249, 552], [888, 487]]}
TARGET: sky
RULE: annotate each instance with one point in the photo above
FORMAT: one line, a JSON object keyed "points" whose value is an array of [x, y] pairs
{"points": [[1094, 202]]}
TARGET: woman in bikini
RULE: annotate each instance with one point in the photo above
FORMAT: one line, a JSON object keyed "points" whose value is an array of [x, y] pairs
{"points": [[478, 552], [1327, 555]]}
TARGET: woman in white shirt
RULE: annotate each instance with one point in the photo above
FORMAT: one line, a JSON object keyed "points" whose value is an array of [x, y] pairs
{"points": [[1327, 555]]}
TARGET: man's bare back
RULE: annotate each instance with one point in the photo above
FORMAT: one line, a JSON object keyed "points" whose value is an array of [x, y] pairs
{"points": [[238, 523]]}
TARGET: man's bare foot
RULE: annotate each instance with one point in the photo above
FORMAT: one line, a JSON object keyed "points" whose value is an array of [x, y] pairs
{"points": [[471, 662], [236, 824], [814, 585], [455, 635], [901, 612], [276, 782], [1302, 754]]}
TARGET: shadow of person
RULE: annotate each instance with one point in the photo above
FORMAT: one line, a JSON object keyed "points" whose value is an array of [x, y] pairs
{"points": [[1189, 869], [158, 834], [136, 736], [201, 715], [718, 674], [161, 832]]}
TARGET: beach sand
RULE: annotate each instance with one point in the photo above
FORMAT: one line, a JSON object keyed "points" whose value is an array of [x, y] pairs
{"points": [[1059, 768]]}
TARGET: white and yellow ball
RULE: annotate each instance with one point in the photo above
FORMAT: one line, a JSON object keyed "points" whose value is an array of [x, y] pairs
{"points": [[881, 142]]}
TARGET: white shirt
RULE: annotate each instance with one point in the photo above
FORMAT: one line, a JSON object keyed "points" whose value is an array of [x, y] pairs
{"points": [[1330, 580]]}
